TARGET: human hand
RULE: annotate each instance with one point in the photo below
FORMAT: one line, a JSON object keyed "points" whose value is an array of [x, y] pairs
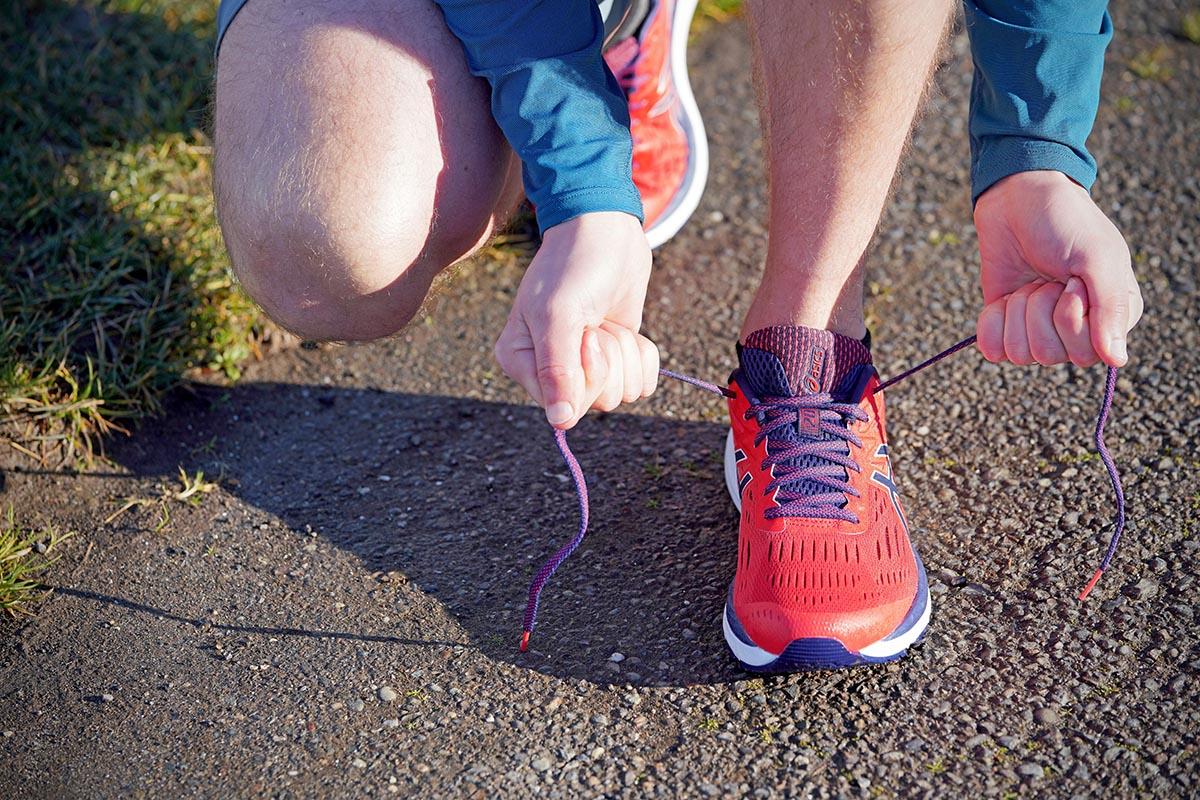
{"points": [[572, 337], [1057, 283]]}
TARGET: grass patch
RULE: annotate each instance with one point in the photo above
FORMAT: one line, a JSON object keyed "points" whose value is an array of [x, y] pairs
{"points": [[1190, 26], [23, 554], [1152, 65], [710, 12], [117, 286]]}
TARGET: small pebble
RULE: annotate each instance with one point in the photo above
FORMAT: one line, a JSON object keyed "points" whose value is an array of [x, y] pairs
{"points": [[358, 762], [387, 694], [106, 698], [541, 764], [616, 658], [1045, 716], [356, 705], [1142, 590]]}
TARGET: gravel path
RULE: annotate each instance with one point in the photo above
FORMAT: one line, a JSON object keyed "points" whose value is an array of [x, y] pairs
{"points": [[342, 617]]}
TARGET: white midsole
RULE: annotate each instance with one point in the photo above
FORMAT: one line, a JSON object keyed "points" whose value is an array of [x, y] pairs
{"points": [[677, 215], [757, 657], [731, 476], [890, 647], [745, 653]]}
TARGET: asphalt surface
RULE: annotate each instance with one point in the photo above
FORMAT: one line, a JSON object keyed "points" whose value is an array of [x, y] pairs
{"points": [[341, 617]]}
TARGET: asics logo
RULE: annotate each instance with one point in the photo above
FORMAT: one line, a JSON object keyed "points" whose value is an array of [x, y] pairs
{"points": [[812, 376], [887, 481]]}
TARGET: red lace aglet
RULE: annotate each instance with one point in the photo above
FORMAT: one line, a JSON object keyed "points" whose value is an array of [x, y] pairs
{"points": [[1086, 590], [524, 641]]}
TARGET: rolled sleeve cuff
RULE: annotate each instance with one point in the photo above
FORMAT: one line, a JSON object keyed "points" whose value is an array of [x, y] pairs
{"points": [[1002, 156], [564, 207]]}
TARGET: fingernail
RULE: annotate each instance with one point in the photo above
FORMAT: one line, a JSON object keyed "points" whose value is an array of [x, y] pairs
{"points": [[559, 412], [1117, 346], [1074, 285]]}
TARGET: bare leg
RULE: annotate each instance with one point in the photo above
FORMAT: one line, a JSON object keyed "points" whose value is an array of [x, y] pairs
{"points": [[842, 81], [356, 157]]}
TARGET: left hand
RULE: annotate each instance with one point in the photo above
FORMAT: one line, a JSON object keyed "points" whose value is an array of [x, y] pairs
{"points": [[1057, 282]]}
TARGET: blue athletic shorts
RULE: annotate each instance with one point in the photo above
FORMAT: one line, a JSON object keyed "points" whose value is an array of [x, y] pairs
{"points": [[228, 9], [225, 14]]}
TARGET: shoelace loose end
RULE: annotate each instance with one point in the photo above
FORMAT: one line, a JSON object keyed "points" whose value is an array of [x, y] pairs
{"points": [[547, 570], [1088, 589], [560, 439], [1110, 466]]}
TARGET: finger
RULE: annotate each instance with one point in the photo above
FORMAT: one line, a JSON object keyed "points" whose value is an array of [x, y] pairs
{"points": [[989, 330], [514, 354], [612, 388], [560, 373], [1112, 293], [1016, 339], [1044, 344], [649, 358], [1071, 322], [595, 371], [631, 361]]}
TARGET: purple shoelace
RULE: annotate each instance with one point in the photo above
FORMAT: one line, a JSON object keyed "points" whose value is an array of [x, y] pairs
{"points": [[830, 453], [820, 505]]}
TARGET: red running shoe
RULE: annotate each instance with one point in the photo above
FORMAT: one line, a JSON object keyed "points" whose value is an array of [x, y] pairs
{"points": [[826, 575], [670, 151]]}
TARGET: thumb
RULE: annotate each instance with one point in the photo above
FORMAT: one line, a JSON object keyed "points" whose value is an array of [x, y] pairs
{"points": [[1109, 304], [557, 354]]}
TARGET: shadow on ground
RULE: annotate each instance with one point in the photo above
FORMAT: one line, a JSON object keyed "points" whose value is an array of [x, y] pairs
{"points": [[465, 499]]}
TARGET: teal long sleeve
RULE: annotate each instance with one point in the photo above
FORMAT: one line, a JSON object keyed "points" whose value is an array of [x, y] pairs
{"points": [[1038, 65], [555, 100]]}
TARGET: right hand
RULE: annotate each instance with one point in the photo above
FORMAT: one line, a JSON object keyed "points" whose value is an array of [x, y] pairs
{"points": [[572, 337]]}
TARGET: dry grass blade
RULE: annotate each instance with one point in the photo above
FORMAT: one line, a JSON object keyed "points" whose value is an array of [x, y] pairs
{"points": [[192, 491], [23, 553]]}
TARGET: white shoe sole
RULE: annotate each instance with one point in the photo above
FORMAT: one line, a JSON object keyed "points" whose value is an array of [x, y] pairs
{"points": [[688, 197]]}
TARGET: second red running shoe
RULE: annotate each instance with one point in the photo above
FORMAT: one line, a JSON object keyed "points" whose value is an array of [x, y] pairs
{"points": [[826, 575], [670, 151]]}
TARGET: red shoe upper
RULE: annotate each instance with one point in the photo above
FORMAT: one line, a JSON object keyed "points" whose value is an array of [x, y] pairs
{"points": [[853, 580], [642, 65]]}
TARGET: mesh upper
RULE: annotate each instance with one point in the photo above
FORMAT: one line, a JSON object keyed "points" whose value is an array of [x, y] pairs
{"points": [[776, 360]]}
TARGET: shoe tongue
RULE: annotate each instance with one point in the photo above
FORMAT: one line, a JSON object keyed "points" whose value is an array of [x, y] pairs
{"points": [[788, 361]]}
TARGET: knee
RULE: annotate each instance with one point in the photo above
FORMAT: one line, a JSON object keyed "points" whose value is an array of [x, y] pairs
{"points": [[336, 268]]}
